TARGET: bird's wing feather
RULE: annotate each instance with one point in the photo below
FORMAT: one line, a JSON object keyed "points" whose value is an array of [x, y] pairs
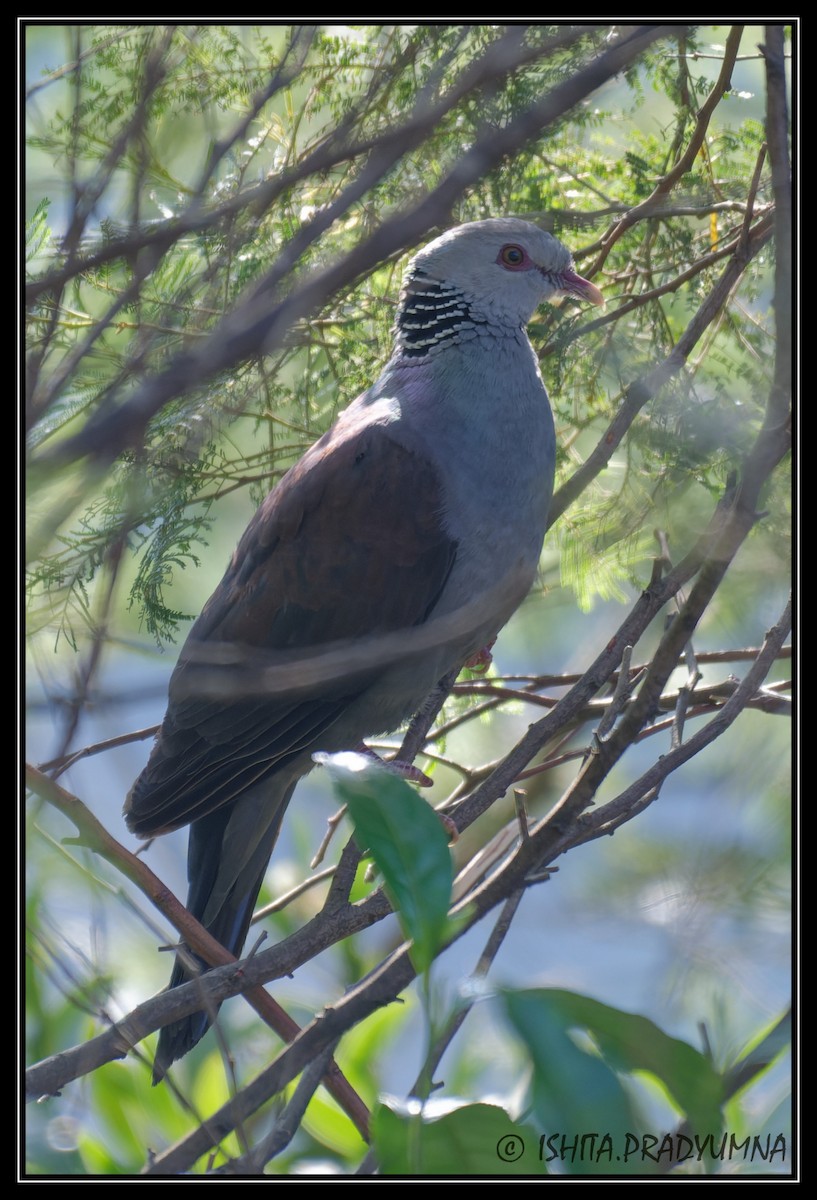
{"points": [[351, 543]]}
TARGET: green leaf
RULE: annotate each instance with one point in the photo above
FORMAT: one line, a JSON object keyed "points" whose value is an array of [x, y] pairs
{"points": [[476, 1139], [577, 1089], [575, 1093], [331, 1127], [762, 1051], [408, 844]]}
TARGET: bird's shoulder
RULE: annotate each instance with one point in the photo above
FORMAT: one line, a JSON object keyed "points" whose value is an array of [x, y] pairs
{"points": [[351, 541]]}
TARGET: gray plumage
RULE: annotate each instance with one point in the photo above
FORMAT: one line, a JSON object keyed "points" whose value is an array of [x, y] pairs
{"points": [[399, 545]]}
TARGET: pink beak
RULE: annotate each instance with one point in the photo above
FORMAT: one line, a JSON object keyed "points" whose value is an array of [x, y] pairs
{"points": [[569, 281]]}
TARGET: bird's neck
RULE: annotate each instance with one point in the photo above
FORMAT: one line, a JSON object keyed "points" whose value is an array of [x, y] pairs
{"points": [[433, 316]]}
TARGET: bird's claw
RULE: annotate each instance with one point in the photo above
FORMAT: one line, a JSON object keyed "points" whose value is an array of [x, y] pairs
{"points": [[482, 660], [449, 827], [396, 766]]}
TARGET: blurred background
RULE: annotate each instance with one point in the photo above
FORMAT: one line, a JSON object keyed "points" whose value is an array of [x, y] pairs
{"points": [[244, 150]]}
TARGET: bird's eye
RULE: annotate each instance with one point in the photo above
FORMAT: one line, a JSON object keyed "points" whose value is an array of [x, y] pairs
{"points": [[512, 256]]}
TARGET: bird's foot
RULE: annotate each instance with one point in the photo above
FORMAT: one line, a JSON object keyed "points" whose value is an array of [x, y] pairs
{"points": [[397, 767], [480, 661], [449, 827]]}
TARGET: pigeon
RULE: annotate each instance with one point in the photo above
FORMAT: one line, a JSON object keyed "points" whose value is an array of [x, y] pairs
{"points": [[389, 555]]}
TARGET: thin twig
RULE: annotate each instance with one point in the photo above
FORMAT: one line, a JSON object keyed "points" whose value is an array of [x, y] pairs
{"points": [[94, 835], [684, 163], [286, 1123]]}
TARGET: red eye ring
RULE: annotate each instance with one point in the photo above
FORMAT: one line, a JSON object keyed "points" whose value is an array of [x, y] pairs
{"points": [[513, 257]]}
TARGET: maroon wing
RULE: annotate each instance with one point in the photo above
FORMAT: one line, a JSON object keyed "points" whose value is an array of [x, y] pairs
{"points": [[349, 544]]}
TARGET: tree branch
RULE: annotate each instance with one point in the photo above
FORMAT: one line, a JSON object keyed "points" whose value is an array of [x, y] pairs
{"points": [[255, 326]]}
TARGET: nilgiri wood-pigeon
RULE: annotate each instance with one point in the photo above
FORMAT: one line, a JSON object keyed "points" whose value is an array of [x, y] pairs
{"points": [[396, 548]]}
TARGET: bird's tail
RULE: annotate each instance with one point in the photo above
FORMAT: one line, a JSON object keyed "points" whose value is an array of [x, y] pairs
{"points": [[227, 856]]}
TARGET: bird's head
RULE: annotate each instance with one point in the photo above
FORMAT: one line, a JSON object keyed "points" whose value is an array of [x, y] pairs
{"points": [[503, 268]]}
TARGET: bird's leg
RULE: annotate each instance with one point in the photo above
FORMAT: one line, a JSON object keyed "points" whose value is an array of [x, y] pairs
{"points": [[413, 775], [482, 660], [397, 767]]}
